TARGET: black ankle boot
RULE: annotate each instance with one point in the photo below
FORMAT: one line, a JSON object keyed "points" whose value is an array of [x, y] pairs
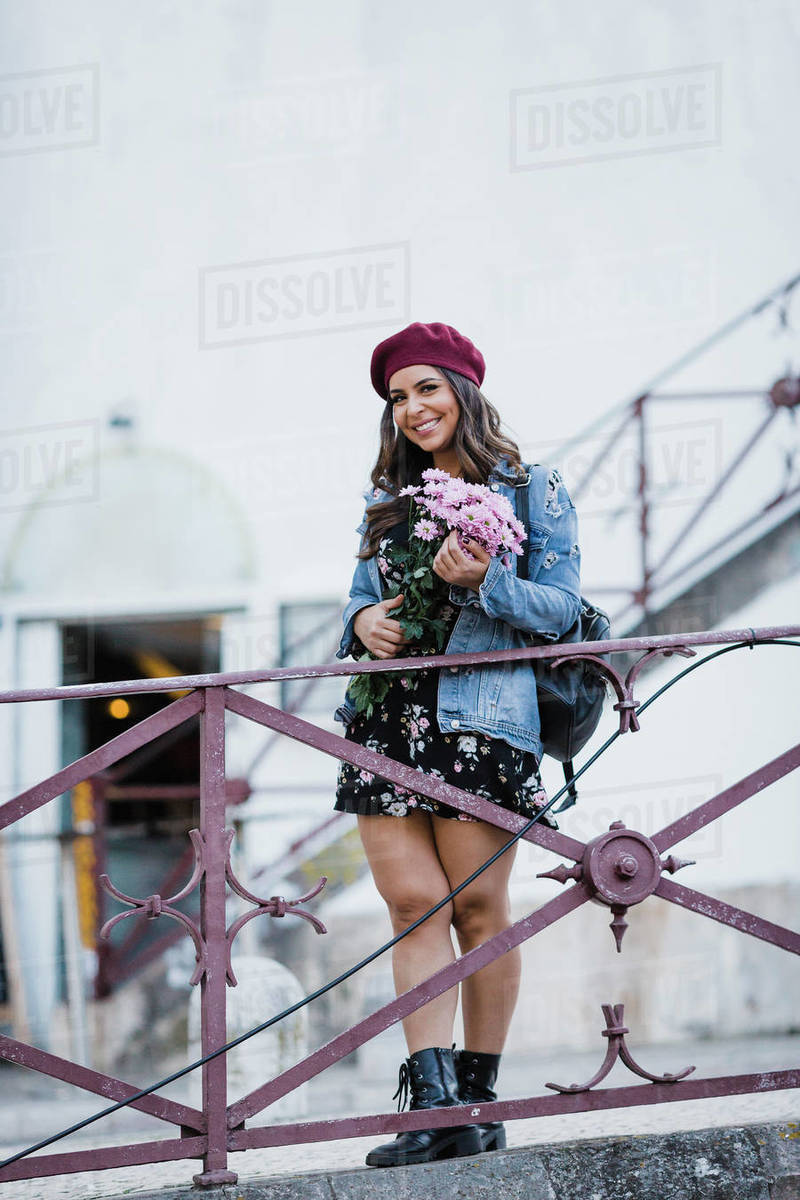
{"points": [[477, 1074], [431, 1078]]}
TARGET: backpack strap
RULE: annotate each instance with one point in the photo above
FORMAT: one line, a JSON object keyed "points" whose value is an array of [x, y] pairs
{"points": [[572, 794]]}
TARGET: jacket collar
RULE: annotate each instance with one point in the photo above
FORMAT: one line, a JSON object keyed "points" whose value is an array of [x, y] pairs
{"points": [[504, 473], [501, 472]]}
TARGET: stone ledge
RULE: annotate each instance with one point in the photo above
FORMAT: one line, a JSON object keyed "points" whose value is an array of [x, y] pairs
{"points": [[750, 1162]]}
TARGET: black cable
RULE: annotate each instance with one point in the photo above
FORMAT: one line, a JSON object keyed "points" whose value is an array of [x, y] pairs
{"points": [[640, 708], [287, 1012]]}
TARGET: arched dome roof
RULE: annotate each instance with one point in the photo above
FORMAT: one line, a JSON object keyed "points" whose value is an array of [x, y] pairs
{"points": [[156, 522]]}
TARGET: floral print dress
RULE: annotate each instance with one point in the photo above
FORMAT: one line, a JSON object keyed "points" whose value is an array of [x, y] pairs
{"points": [[405, 728]]}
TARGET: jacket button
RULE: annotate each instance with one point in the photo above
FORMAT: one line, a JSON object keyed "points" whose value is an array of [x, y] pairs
{"points": [[453, 670], [456, 724], [495, 487]]}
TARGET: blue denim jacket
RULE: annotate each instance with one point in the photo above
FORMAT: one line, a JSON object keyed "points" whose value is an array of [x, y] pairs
{"points": [[497, 699]]}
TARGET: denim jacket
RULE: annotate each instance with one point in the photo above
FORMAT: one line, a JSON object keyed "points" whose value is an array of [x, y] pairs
{"points": [[497, 699]]}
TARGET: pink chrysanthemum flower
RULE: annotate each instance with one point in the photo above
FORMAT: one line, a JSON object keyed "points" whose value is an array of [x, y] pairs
{"points": [[426, 530]]}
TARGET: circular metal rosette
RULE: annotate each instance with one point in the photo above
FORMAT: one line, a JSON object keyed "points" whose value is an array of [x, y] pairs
{"points": [[622, 866]]}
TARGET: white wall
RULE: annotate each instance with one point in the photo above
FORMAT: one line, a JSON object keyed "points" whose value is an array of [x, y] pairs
{"points": [[260, 131], [204, 135]]}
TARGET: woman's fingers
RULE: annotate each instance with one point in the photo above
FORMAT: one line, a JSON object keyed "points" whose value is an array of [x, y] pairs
{"points": [[389, 639], [444, 563], [386, 650], [392, 630]]}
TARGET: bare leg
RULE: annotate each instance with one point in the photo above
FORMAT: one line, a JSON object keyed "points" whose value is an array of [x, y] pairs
{"points": [[488, 997], [402, 857]]}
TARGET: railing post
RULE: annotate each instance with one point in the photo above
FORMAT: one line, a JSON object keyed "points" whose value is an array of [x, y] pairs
{"points": [[213, 998]]}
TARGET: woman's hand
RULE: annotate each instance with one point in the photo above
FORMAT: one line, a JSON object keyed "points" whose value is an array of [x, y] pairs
{"points": [[382, 635], [452, 564]]}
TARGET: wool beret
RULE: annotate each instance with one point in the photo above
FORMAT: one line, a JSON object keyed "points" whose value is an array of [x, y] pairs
{"points": [[436, 345]]}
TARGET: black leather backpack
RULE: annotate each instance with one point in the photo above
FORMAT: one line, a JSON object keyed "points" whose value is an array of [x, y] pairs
{"points": [[571, 695]]}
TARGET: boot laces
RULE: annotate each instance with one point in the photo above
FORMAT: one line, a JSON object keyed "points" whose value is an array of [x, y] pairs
{"points": [[402, 1087]]}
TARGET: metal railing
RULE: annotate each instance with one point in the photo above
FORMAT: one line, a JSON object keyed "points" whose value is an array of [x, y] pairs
{"points": [[619, 868], [657, 573]]}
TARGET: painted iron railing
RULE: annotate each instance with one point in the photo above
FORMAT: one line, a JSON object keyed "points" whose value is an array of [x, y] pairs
{"points": [[118, 962], [776, 408], [782, 397], [619, 868]]}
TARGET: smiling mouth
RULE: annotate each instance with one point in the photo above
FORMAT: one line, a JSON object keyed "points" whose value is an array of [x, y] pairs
{"points": [[428, 426]]}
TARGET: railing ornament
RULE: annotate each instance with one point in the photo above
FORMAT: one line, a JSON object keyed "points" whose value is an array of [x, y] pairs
{"points": [[626, 705], [621, 867], [153, 907], [615, 1031], [274, 906]]}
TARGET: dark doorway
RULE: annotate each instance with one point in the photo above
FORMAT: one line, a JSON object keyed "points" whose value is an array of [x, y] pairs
{"points": [[134, 819], [104, 652]]}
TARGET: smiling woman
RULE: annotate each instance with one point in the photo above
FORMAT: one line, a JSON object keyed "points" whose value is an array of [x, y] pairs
{"points": [[476, 728], [425, 408]]}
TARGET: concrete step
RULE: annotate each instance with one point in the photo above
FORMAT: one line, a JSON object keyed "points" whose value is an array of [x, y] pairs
{"points": [[749, 1162]]}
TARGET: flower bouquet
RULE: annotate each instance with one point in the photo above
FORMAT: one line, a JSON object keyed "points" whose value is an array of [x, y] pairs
{"points": [[440, 504]]}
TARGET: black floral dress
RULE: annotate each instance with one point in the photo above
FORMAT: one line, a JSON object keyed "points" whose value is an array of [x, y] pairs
{"points": [[405, 728]]}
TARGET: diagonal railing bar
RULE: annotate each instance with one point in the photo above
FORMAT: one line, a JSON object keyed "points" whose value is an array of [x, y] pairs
{"points": [[713, 547], [101, 1085], [310, 686], [145, 755], [110, 752], [443, 979], [703, 505], [278, 867], [332, 621], [100, 1159], [511, 1110], [727, 799], [775, 295], [388, 768], [728, 914], [628, 415]]}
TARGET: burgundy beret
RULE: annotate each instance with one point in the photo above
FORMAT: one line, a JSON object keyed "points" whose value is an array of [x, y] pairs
{"points": [[435, 345]]}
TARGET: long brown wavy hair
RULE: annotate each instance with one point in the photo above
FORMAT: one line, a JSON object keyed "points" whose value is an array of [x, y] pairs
{"points": [[478, 443]]}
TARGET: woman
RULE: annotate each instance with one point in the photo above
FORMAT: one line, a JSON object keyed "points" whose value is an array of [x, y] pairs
{"points": [[475, 727]]}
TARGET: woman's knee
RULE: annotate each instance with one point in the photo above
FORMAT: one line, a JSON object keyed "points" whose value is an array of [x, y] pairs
{"points": [[477, 915], [407, 905]]}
